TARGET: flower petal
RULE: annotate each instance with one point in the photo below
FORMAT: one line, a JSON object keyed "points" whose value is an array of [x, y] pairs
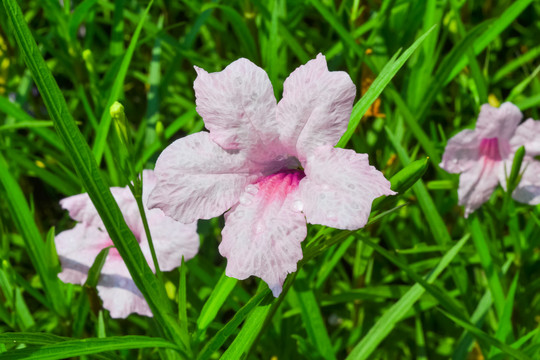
{"points": [[171, 239], [498, 122], [528, 190], [197, 179], [81, 208], [339, 188], [237, 105], [315, 108], [461, 152], [477, 184], [527, 134], [77, 249], [119, 293], [262, 234]]}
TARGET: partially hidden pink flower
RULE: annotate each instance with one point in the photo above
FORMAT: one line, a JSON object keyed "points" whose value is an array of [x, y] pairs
{"points": [[484, 156], [273, 165], [77, 248]]}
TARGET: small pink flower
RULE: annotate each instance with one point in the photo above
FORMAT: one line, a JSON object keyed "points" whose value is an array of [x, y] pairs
{"points": [[484, 156], [273, 165], [78, 247]]}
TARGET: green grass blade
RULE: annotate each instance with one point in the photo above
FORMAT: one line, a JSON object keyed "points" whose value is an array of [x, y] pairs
{"points": [[492, 274], [507, 349], [100, 194], [378, 85], [71, 348], [105, 120], [216, 300], [223, 334], [387, 322], [497, 27], [35, 246], [311, 316]]}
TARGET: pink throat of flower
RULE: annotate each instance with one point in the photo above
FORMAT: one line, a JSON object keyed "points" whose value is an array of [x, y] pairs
{"points": [[278, 185], [489, 148]]}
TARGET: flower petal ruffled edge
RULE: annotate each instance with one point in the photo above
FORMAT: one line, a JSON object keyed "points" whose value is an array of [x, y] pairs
{"points": [[315, 108], [339, 188], [498, 122]]}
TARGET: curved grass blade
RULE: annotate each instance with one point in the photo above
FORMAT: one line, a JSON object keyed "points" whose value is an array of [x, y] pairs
{"points": [[105, 121], [390, 318], [35, 246], [70, 348], [384, 77], [100, 194]]}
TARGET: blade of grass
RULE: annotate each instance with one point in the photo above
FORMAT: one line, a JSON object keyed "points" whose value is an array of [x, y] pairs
{"points": [[390, 318], [216, 300], [35, 246], [99, 192], [304, 298], [492, 274], [105, 120], [71, 348], [378, 85]]}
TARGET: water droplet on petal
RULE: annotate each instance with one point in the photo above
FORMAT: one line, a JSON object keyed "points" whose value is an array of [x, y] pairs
{"points": [[351, 186], [322, 196], [239, 214], [252, 189], [259, 228], [331, 216], [244, 199], [454, 161], [298, 205]]}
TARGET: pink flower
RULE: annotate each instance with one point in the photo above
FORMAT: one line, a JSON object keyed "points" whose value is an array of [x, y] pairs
{"points": [[78, 247], [273, 165], [484, 156]]}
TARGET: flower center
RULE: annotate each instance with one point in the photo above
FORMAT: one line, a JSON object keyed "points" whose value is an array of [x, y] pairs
{"points": [[279, 184], [489, 148]]}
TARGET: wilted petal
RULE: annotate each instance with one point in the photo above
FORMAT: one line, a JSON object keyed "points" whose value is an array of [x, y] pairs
{"points": [[119, 293], [461, 152], [339, 188], [262, 234], [77, 249], [498, 122], [197, 179], [528, 190], [477, 184], [528, 135], [315, 108], [238, 106]]}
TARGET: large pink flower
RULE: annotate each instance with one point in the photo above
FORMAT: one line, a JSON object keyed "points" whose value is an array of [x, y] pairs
{"points": [[484, 156], [78, 247], [273, 165]]}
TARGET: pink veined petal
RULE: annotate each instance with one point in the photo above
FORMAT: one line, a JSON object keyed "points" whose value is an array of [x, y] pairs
{"points": [[77, 249], [197, 179], [477, 184], [119, 293], [461, 152], [528, 189], [262, 234], [315, 108], [238, 106], [527, 134], [498, 122], [339, 188]]}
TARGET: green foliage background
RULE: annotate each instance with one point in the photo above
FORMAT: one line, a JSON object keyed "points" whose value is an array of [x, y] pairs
{"points": [[419, 282]]}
